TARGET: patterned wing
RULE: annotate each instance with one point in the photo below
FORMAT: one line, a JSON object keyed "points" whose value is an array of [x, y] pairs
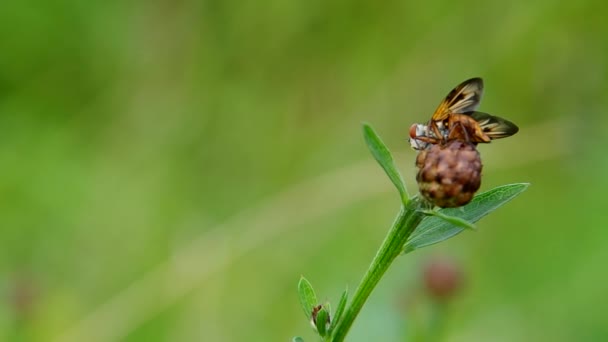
{"points": [[462, 99], [494, 126]]}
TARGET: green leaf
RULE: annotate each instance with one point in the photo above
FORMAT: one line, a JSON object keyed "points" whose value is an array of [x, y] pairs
{"points": [[434, 229], [339, 310], [308, 298], [385, 159], [297, 339], [456, 221], [321, 322]]}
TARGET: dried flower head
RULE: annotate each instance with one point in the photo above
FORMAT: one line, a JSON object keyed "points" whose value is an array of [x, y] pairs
{"points": [[449, 174]]}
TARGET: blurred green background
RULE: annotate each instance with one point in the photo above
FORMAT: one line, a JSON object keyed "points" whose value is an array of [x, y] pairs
{"points": [[169, 169]]}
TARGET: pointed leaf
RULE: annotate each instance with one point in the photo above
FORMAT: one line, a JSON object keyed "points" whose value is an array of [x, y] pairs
{"points": [[297, 339], [308, 298], [434, 229], [339, 310], [385, 159]]}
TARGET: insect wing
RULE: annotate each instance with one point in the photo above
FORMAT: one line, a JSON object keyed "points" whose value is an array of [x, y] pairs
{"points": [[462, 99], [494, 127]]}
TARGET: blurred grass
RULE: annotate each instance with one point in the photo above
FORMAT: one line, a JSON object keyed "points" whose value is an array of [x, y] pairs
{"points": [[132, 132]]}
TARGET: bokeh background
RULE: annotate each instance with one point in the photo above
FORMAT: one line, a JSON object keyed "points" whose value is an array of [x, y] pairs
{"points": [[169, 169]]}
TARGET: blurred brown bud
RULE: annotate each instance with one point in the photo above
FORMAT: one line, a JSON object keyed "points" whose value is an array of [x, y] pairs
{"points": [[443, 279], [22, 296]]}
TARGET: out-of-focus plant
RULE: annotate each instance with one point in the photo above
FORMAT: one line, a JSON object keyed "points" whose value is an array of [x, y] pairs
{"points": [[416, 226]]}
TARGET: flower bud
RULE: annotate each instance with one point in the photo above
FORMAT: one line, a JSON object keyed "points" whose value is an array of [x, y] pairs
{"points": [[442, 279], [319, 319], [449, 174]]}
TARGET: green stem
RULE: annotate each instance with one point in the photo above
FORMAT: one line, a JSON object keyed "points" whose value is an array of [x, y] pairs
{"points": [[405, 223], [437, 324]]}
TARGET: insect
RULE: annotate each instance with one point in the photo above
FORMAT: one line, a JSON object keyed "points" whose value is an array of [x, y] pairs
{"points": [[449, 165], [456, 118]]}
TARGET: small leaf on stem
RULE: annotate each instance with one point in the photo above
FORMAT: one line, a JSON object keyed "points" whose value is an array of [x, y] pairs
{"points": [[308, 298], [321, 321], [385, 159], [434, 229], [339, 310]]}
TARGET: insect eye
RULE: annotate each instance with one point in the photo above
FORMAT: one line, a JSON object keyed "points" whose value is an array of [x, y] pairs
{"points": [[413, 129]]}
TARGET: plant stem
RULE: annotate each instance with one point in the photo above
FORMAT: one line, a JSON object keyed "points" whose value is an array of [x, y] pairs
{"points": [[407, 220]]}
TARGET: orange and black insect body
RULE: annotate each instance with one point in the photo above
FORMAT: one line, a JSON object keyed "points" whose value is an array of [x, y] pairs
{"points": [[449, 165], [459, 107]]}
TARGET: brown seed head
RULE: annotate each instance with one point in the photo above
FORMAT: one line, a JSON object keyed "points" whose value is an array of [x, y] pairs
{"points": [[449, 174]]}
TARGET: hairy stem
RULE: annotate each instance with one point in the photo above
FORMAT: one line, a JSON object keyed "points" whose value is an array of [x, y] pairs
{"points": [[407, 220]]}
